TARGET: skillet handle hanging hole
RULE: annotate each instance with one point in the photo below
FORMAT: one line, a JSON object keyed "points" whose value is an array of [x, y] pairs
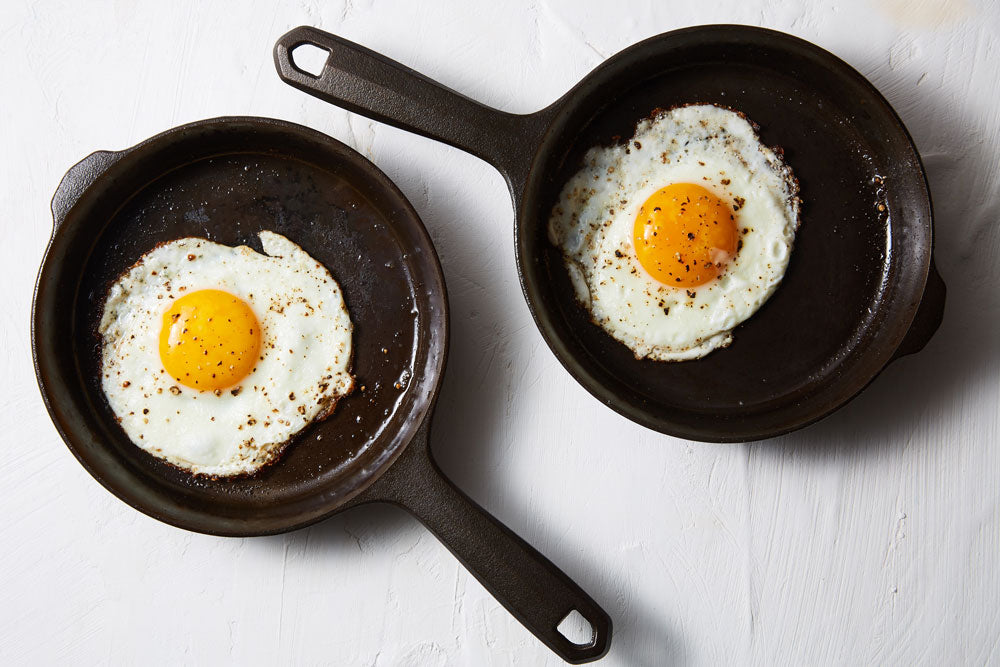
{"points": [[577, 629], [368, 83], [309, 59], [929, 315], [79, 177], [536, 592]]}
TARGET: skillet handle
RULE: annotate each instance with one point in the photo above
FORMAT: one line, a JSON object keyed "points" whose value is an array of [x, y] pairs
{"points": [[368, 83], [534, 590], [928, 317], [79, 177]]}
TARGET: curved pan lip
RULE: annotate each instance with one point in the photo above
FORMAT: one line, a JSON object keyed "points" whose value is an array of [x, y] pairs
{"points": [[545, 319], [423, 403], [520, 146]]}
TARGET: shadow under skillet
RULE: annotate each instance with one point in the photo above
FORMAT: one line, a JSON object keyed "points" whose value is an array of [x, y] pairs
{"points": [[965, 351]]}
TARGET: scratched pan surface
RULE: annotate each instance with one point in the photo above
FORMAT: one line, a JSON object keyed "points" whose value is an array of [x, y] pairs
{"points": [[226, 180], [860, 290]]}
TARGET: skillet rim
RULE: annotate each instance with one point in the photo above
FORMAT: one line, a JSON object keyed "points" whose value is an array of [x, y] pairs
{"points": [[530, 265], [434, 335]]}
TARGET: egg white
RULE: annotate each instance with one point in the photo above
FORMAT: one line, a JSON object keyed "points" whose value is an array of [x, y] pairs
{"points": [[304, 358], [592, 224]]}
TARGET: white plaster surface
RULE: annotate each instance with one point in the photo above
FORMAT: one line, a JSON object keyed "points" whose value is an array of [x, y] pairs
{"points": [[872, 537]]}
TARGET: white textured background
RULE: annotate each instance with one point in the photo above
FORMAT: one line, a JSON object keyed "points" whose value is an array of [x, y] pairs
{"points": [[872, 537]]}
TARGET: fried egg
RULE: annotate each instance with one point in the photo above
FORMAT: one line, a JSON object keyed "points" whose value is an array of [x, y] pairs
{"points": [[674, 238], [214, 357]]}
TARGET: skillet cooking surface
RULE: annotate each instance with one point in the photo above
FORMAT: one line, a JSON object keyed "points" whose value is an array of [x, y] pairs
{"points": [[838, 288], [226, 185], [227, 179], [849, 301]]}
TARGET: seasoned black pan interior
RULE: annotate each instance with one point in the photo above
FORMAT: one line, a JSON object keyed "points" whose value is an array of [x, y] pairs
{"points": [[860, 258], [853, 297], [226, 180]]}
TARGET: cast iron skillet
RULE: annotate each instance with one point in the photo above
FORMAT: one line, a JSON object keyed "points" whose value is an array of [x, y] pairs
{"points": [[861, 289], [226, 179]]}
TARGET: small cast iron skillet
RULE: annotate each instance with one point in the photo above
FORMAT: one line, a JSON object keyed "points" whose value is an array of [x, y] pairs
{"points": [[861, 289], [227, 179]]}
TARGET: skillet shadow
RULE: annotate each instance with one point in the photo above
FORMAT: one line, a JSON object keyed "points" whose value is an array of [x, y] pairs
{"points": [[924, 388], [471, 416], [910, 393], [470, 433], [472, 425]]}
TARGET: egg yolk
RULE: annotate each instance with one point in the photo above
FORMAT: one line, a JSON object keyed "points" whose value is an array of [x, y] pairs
{"points": [[684, 235], [210, 340]]}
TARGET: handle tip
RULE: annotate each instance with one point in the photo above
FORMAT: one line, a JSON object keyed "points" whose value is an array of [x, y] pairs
{"points": [[284, 63], [578, 653]]}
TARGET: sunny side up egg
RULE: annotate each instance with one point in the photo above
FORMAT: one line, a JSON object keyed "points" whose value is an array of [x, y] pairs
{"points": [[213, 357], [674, 238]]}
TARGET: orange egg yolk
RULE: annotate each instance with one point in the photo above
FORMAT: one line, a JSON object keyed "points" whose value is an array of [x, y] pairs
{"points": [[684, 235], [210, 340]]}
